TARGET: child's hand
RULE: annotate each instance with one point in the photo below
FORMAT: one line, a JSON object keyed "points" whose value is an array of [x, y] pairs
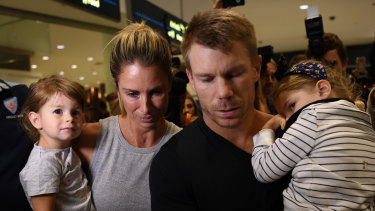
{"points": [[275, 122]]}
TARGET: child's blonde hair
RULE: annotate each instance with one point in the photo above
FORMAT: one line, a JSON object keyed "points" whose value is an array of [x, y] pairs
{"points": [[39, 94], [342, 86]]}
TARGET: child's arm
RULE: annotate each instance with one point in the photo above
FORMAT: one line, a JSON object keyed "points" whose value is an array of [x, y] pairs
{"points": [[275, 122], [271, 160], [44, 202]]}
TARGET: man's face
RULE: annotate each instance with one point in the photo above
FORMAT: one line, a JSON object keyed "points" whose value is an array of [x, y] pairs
{"points": [[333, 58], [224, 83], [268, 79]]}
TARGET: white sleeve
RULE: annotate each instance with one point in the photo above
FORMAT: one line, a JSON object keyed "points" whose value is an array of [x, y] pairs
{"points": [[272, 161]]}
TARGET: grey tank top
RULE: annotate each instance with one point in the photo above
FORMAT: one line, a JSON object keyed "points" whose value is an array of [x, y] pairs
{"points": [[119, 171]]}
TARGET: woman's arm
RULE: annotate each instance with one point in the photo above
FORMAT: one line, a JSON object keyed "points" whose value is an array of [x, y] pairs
{"points": [[84, 145], [44, 202]]}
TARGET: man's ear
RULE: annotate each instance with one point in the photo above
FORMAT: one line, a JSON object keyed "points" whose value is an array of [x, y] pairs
{"points": [[258, 67], [324, 88], [190, 76], [35, 120]]}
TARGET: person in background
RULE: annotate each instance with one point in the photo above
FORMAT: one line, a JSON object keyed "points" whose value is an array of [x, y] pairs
{"points": [[113, 102], [206, 165], [191, 111], [15, 146], [176, 101], [53, 116], [118, 150], [329, 143], [334, 52], [371, 106], [267, 84], [102, 108]]}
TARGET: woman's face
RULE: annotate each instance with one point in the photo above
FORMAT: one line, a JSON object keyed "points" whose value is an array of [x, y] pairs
{"points": [[189, 107], [144, 92]]}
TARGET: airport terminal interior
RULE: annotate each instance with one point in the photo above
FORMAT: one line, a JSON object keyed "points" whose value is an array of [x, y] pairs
{"points": [[73, 38]]}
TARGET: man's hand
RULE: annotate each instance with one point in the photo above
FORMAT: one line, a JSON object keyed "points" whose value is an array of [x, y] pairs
{"points": [[275, 122], [218, 4]]}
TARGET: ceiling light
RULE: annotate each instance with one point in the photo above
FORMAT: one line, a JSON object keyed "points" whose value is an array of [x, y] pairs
{"points": [[90, 59], [94, 73], [74, 66], [45, 58], [81, 78], [98, 82], [60, 47], [303, 7], [61, 73], [86, 85], [34, 66]]}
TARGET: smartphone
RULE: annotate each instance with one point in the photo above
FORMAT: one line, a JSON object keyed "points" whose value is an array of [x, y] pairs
{"points": [[233, 3]]}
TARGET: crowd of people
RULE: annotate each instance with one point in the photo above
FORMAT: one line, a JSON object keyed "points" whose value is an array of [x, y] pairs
{"points": [[247, 142]]}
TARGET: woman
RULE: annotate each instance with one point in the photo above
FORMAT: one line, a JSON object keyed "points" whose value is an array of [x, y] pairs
{"points": [[190, 111], [119, 149]]}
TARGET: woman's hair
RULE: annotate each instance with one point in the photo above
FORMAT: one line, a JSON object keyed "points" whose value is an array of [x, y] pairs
{"points": [[138, 42], [218, 29], [342, 86], [41, 91]]}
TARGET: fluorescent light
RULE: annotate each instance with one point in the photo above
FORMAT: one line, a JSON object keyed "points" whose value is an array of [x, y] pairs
{"points": [[86, 85], [60, 47], [34, 66], [74, 66], [94, 73], [81, 78], [97, 82], [45, 58], [61, 73], [90, 59], [303, 7]]}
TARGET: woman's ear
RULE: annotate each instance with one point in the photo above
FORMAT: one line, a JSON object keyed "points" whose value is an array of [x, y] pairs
{"points": [[324, 88], [35, 120]]}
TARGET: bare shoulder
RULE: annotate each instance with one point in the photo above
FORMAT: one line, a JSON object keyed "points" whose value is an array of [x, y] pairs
{"points": [[84, 145]]}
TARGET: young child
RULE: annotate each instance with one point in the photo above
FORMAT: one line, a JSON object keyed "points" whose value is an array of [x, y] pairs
{"points": [[52, 178], [329, 143]]}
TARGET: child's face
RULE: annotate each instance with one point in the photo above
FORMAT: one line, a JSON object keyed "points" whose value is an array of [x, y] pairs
{"points": [[291, 101], [60, 120]]}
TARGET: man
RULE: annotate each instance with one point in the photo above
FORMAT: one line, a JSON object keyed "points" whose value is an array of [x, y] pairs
{"points": [[333, 52], [207, 166], [15, 146], [267, 82]]}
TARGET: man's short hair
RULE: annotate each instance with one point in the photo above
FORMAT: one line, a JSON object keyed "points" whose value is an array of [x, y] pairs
{"points": [[332, 41], [218, 29]]}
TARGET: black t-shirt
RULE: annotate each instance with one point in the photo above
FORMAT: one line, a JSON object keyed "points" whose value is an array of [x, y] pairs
{"points": [[15, 147], [200, 170]]}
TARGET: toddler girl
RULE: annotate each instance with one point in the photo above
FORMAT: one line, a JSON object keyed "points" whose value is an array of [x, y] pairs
{"points": [[329, 143], [52, 178]]}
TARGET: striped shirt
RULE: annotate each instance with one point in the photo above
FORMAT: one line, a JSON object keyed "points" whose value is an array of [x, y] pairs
{"points": [[331, 149]]}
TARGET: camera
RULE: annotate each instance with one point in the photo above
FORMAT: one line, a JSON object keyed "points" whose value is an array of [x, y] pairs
{"points": [[314, 31], [232, 3]]}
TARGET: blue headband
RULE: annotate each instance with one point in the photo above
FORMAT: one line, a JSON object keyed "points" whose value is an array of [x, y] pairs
{"points": [[314, 70]]}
